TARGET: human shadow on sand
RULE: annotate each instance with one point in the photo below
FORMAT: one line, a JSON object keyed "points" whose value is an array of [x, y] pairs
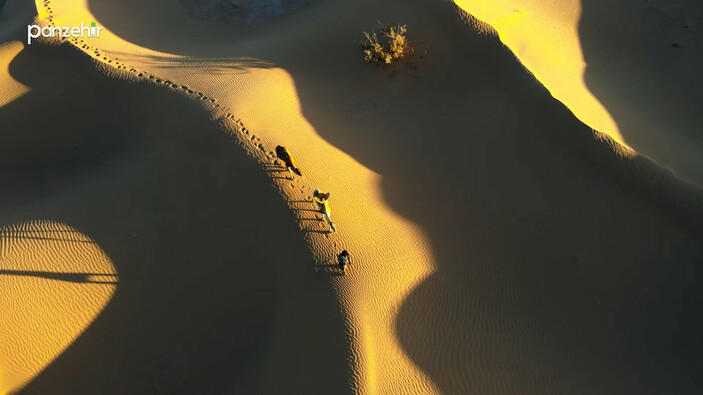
{"points": [[560, 267], [92, 278], [209, 299]]}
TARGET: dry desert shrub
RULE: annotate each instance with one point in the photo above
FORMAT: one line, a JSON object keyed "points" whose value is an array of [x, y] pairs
{"points": [[388, 45]]}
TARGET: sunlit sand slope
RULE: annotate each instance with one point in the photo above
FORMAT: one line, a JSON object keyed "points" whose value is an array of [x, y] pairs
{"points": [[625, 68], [543, 35], [11, 89], [265, 97], [54, 281], [122, 189], [498, 247]]}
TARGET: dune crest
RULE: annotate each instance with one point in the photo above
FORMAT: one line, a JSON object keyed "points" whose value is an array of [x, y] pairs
{"points": [[495, 247], [211, 295], [625, 69], [543, 35], [265, 97]]}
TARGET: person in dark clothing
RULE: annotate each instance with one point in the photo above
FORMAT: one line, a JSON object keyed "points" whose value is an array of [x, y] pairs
{"points": [[344, 259], [283, 154]]}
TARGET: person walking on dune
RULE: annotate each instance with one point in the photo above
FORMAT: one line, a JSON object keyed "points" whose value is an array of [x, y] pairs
{"points": [[344, 259], [321, 200], [283, 154]]}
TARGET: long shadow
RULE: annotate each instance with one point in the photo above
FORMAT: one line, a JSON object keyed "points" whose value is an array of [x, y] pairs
{"points": [[645, 76], [560, 268], [208, 300], [67, 277]]}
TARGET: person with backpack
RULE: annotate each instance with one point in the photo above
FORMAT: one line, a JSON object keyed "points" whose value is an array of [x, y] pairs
{"points": [[321, 200], [283, 154], [344, 259]]}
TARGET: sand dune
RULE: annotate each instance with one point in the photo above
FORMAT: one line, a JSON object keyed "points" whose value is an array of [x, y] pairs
{"points": [[544, 36], [626, 69], [499, 245], [206, 297]]}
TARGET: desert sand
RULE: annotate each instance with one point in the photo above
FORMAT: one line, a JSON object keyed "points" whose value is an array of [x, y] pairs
{"points": [[626, 69], [499, 244]]}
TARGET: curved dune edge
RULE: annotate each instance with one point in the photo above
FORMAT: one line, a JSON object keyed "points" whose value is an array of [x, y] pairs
{"points": [[623, 82], [12, 90], [12, 17], [380, 278], [269, 102], [54, 281], [544, 37]]}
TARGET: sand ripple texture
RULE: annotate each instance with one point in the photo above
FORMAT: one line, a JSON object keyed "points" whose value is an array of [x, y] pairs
{"points": [[478, 222], [54, 281], [633, 84]]}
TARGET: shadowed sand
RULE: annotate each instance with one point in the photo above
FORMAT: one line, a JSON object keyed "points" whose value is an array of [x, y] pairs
{"points": [[645, 75], [499, 245], [625, 68], [13, 18], [216, 290]]}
